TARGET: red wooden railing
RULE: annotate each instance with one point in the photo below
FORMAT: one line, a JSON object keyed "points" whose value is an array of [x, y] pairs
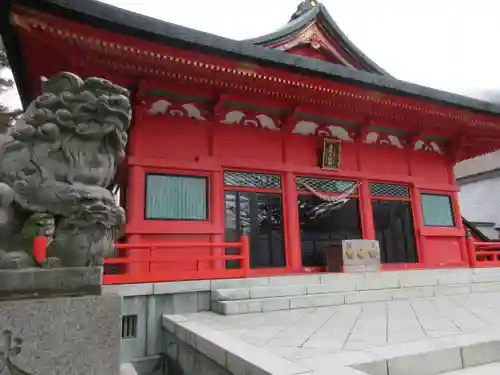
{"points": [[147, 255], [484, 254]]}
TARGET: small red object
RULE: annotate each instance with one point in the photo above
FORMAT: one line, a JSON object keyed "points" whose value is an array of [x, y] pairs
{"points": [[40, 244]]}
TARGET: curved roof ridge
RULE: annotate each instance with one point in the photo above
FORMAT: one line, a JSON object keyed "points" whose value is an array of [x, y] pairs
{"points": [[320, 14], [291, 27]]}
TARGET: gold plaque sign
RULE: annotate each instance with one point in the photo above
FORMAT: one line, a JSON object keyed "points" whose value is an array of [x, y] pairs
{"points": [[331, 154]]}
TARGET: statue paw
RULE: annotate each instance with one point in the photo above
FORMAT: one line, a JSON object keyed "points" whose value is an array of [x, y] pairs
{"points": [[50, 263]]}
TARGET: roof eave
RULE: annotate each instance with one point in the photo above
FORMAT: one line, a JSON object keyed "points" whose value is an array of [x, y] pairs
{"points": [[114, 19]]}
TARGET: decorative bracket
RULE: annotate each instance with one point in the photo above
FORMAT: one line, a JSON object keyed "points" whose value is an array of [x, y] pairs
{"points": [[456, 146], [289, 121], [216, 110], [362, 130], [415, 137]]}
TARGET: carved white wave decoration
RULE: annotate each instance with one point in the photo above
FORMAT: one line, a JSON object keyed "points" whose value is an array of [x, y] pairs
{"points": [[233, 117], [162, 107], [159, 107], [311, 128], [261, 120], [267, 122], [305, 127], [340, 133], [193, 112], [430, 146], [376, 138]]}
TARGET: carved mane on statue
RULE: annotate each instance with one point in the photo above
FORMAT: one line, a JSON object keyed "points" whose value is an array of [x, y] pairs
{"points": [[59, 158]]}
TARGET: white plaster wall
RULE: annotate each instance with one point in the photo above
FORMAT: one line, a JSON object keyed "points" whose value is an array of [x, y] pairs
{"points": [[480, 200]]}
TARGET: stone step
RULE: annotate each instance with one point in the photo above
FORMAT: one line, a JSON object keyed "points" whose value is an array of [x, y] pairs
{"points": [[301, 301], [430, 282]]}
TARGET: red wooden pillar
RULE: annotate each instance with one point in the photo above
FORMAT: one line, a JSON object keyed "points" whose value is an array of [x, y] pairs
{"points": [[418, 222], [136, 196], [292, 225], [216, 191], [366, 210], [457, 216]]}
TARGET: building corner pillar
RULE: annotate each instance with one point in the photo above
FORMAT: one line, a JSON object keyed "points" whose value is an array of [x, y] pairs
{"points": [[366, 211], [292, 228]]}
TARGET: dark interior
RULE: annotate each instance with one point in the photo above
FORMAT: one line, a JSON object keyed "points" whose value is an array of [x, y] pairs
{"points": [[260, 217], [321, 227], [394, 231]]}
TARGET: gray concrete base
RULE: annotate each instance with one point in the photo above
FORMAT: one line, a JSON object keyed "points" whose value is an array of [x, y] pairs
{"points": [[61, 336], [47, 283]]}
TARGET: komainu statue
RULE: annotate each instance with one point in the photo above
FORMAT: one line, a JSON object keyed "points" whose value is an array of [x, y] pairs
{"points": [[59, 158]]}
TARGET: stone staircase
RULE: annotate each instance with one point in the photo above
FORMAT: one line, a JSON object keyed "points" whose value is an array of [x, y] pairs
{"points": [[243, 296]]}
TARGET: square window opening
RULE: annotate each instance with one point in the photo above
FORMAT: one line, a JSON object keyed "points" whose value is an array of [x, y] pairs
{"points": [[176, 197], [437, 210]]}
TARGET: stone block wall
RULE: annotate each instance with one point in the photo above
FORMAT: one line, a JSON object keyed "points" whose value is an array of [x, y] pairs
{"points": [[148, 302]]}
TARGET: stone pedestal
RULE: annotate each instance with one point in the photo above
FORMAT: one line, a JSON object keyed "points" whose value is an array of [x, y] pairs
{"points": [[62, 335], [57, 282]]}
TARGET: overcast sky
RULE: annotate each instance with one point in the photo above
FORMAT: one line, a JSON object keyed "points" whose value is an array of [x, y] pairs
{"points": [[446, 44]]}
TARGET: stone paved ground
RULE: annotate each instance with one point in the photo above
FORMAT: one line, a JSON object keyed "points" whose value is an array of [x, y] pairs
{"points": [[316, 337]]}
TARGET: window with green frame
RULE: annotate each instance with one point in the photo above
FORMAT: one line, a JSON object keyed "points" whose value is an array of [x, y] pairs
{"points": [[437, 210], [176, 197]]}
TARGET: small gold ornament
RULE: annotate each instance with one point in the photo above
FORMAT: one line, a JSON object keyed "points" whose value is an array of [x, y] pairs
{"points": [[361, 254], [350, 253]]}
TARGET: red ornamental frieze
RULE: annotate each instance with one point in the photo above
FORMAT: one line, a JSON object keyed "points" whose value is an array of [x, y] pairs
{"points": [[267, 121]]}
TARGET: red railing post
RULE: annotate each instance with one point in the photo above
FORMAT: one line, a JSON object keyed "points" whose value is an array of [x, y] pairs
{"points": [[471, 250], [153, 273], [245, 253]]}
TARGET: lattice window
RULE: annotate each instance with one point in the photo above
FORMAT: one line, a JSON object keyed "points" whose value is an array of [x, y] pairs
{"points": [[389, 190], [252, 180], [323, 185]]}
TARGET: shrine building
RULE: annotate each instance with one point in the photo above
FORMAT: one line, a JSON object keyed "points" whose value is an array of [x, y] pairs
{"points": [[255, 157]]}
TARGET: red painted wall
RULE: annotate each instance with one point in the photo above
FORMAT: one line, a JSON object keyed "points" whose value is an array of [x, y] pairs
{"points": [[180, 145]]}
